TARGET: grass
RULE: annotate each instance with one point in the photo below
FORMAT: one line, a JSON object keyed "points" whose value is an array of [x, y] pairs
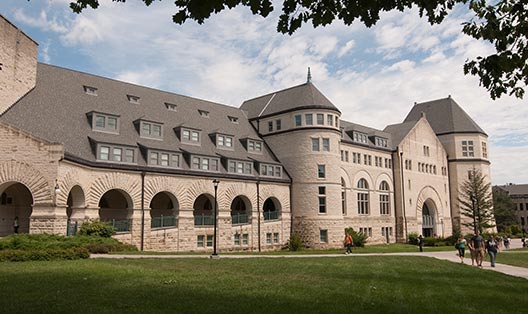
{"points": [[388, 284], [381, 248], [517, 257]]}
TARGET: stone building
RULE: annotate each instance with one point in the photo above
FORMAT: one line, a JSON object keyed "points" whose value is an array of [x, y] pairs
{"points": [[519, 195], [75, 146]]}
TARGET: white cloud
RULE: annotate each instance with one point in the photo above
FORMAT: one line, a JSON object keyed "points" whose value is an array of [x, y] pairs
{"points": [[346, 48], [42, 21]]}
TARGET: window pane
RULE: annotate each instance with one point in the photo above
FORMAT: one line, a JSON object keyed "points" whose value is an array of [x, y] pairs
{"points": [[100, 122], [258, 146], [153, 158], [321, 171], [220, 140], [129, 155], [320, 119], [330, 120], [205, 164], [146, 128], [308, 118], [116, 154], [112, 123], [156, 130], [229, 142], [326, 144], [298, 120], [186, 135], [232, 166], [214, 164], [251, 145], [164, 159], [240, 167], [175, 160], [195, 136], [196, 163], [104, 152], [315, 144], [248, 168]]}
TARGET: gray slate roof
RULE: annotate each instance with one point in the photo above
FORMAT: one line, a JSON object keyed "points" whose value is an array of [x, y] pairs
{"points": [[399, 131], [445, 116], [298, 97], [515, 189], [350, 127], [56, 110]]}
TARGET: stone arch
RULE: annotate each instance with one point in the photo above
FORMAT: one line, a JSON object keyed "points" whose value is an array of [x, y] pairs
{"points": [[384, 177], [362, 174], [345, 177], [38, 186], [76, 199], [157, 184], [15, 208], [119, 181], [428, 193], [282, 195], [240, 210], [118, 199], [196, 189], [234, 190], [66, 184], [164, 209], [271, 206]]}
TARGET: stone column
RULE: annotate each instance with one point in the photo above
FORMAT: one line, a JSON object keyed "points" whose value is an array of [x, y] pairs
{"points": [[187, 236], [48, 218]]}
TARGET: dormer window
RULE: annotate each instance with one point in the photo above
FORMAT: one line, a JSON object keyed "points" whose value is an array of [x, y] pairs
{"points": [[381, 142], [267, 170], [170, 107], [203, 113], [133, 99], [90, 90], [233, 119], [116, 153], [150, 129], [189, 136], [224, 141], [240, 167], [103, 122], [360, 138], [254, 146]]}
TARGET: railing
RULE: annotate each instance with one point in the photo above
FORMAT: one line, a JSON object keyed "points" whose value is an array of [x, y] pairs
{"points": [[271, 215], [203, 220], [119, 225], [163, 221], [71, 228], [239, 219]]}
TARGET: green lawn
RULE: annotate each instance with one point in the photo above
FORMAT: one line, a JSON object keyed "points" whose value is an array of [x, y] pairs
{"points": [[512, 257], [379, 248], [388, 284]]}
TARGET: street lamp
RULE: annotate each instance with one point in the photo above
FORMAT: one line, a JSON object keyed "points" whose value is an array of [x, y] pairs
{"points": [[215, 183]]}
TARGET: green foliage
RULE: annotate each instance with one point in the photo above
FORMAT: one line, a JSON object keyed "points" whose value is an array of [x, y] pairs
{"points": [[476, 202], [104, 248], [504, 209], [514, 230], [358, 238], [412, 238], [502, 23], [19, 255], [295, 243], [97, 228]]}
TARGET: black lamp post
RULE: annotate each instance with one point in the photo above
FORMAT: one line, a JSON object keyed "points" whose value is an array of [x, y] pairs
{"points": [[215, 183]]}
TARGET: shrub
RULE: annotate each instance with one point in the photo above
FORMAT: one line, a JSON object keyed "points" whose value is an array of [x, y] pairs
{"points": [[358, 238], [10, 255], [412, 238], [104, 248], [96, 228], [514, 230], [295, 243]]}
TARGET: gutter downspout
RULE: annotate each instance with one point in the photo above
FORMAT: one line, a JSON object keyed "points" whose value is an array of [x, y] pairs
{"points": [[403, 198], [394, 202], [258, 210], [142, 210]]}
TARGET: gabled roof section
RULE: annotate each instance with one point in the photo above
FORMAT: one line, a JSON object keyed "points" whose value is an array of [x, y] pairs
{"points": [[56, 109], [298, 97], [515, 189], [445, 116], [399, 131], [350, 127]]}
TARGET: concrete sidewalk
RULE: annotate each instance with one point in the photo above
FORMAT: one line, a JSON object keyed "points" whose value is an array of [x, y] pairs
{"points": [[445, 255]]}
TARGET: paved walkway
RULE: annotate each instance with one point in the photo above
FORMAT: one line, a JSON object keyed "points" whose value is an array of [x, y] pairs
{"points": [[446, 255]]}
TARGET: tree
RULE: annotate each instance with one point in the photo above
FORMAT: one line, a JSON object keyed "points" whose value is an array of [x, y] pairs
{"points": [[476, 202], [504, 209], [503, 23]]}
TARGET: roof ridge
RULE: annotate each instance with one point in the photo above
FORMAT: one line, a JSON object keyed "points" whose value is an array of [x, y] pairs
{"points": [[275, 92]]}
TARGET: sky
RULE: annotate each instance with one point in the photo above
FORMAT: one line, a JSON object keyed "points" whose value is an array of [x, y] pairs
{"points": [[373, 75]]}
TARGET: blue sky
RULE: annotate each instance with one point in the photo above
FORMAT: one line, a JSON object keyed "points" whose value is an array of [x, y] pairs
{"points": [[373, 75]]}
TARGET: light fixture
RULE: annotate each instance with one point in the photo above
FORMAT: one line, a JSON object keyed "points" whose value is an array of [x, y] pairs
{"points": [[215, 184]]}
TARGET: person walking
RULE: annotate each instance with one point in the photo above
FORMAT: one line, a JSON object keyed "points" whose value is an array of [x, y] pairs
{"points": [[348, 243], [15, 224], [507, 242], [461, 247], [491, 247], [476, 244], [420, 243]]}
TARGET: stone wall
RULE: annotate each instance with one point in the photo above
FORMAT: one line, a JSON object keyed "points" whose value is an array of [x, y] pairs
{"points": [[18, 63]]}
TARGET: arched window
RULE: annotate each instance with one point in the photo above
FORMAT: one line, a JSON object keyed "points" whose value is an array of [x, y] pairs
{"points": [[363, 197], [384, 198]]}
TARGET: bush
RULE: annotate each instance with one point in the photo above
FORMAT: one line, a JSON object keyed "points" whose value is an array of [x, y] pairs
{"points": [[514, 230], [104, 248], [11, 255], [358, 238], [412, 238], [96, 228], [295, 243]]}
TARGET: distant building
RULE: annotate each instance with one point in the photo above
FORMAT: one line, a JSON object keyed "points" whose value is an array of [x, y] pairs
{"points": [[519, 195], [75, 146]]}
